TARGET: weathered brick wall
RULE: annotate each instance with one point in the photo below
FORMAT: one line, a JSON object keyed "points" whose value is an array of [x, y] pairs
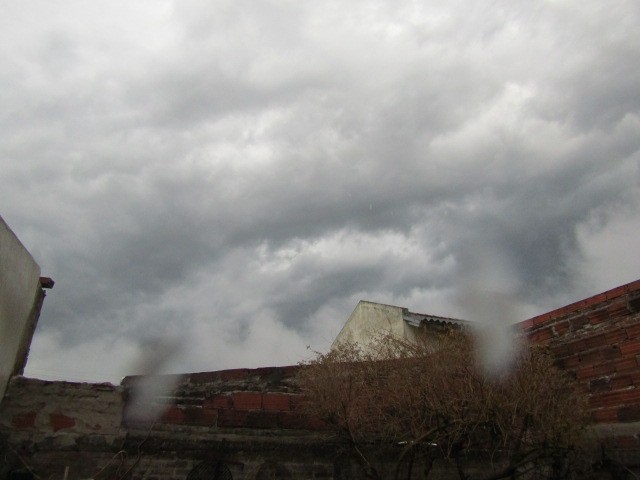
{"points": [[246, 420], [61, 412], [241, 398], [597, 340], [53, 425]]}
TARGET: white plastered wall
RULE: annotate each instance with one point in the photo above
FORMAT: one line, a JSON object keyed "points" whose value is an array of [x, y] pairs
{"points": [[19, 290], [370, 320]]}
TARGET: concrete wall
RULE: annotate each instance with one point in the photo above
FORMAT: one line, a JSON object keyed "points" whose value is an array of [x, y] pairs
{"points": [[19, 296], [369, 320]]}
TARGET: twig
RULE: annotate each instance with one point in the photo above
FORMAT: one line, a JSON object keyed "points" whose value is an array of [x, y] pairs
{"points": [[24, 463], [354, 444], [411, 446], [124, 475], [119, 453]]}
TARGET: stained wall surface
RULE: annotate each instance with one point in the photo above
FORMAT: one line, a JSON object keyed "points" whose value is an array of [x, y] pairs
{"points": [[19, 292]]}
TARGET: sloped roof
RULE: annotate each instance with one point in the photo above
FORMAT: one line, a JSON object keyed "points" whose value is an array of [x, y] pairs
{"points": [[416, 319]]}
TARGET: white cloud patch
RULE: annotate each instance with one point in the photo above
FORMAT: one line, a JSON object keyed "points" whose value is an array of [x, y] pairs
{"points": [[102, 359]]}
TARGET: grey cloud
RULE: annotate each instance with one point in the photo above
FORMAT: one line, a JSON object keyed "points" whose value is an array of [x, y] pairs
{"points": [[152, 182]]}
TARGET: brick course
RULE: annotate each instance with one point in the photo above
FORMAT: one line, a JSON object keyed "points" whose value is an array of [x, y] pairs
{"points": [[247, 401], [275, 401], [262, 398]]}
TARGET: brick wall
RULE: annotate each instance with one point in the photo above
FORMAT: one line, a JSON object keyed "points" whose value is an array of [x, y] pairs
{"points": [[597, 340], [59, 413], [262, 398], [247, 419]]}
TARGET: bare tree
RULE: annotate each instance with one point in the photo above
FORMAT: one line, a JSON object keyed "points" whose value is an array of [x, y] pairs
{"points": [[413, 402]]}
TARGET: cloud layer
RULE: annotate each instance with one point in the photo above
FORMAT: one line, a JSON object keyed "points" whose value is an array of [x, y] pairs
{"points": [[238, 174]]}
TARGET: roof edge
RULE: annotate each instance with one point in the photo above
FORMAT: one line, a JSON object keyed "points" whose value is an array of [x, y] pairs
{"points": [[580, 304]]}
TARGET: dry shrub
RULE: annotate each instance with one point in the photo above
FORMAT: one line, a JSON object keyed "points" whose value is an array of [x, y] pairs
{"points": [[428, 400]]}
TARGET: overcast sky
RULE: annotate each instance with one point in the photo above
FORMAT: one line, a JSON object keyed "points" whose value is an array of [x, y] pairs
{"points": [[231, 177]]}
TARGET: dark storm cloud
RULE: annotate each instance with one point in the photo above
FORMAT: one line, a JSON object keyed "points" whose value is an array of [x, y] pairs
{"points": [[244, 172]]}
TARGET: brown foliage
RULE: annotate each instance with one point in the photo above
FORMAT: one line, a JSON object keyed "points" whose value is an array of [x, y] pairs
{"points": [[431, 399]]}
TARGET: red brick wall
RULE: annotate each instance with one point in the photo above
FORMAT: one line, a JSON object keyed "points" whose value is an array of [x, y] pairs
{"points": [[597, 340], [242, 398]]}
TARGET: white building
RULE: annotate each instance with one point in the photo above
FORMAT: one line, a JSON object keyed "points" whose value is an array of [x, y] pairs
{"points": [[369, 320], [21, 298]]}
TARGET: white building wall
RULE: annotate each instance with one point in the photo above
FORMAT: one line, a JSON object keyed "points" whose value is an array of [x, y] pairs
{"points": [[19, 290], [370, 320]]}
